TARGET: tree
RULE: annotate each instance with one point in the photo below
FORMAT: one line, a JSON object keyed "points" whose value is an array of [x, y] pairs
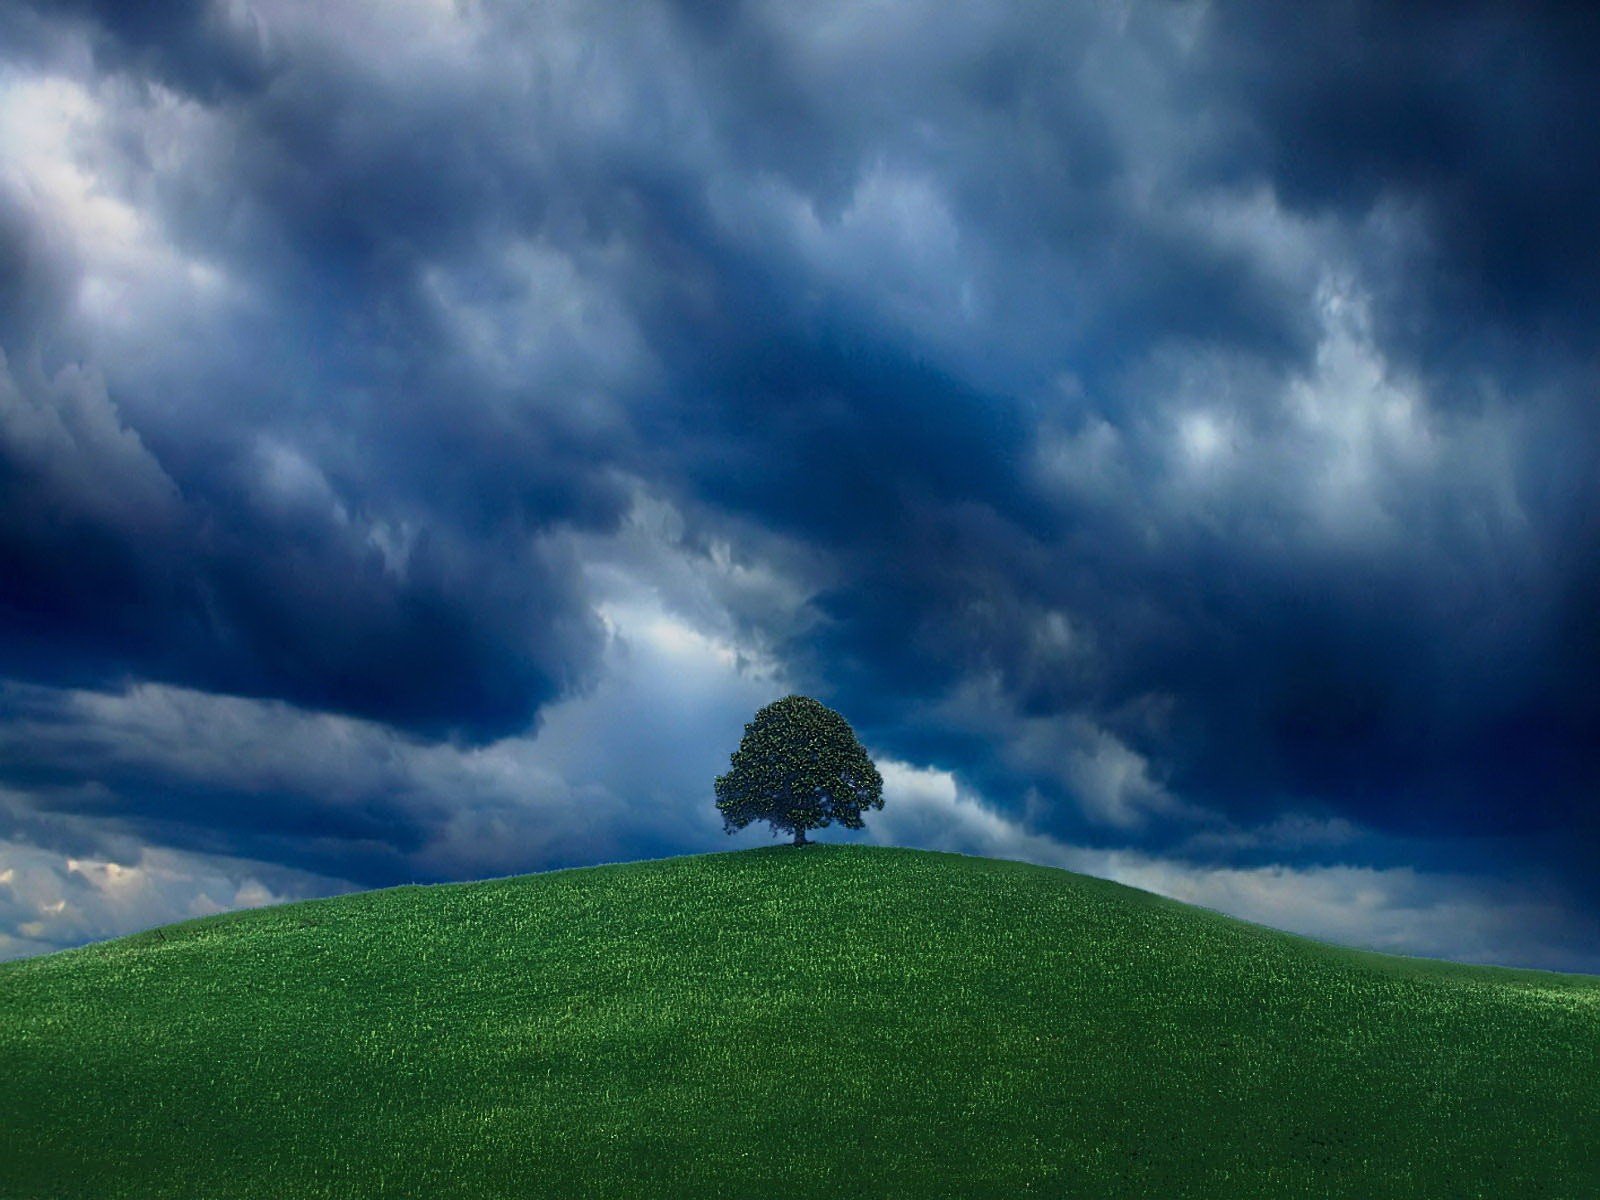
{"points": [[798, 767]]}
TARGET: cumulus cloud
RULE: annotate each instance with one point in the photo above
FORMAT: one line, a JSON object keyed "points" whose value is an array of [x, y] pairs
{"points": [[51, 901]]}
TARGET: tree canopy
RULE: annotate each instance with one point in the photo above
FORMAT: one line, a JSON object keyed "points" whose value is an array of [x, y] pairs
{"points": [[798, 767]]}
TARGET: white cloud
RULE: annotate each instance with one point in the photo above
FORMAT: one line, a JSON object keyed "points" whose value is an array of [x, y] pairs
{"points": [[1112, 784], [1398, 909], [68, 160], [50, 900], [1394, 909], [1364, 430]]}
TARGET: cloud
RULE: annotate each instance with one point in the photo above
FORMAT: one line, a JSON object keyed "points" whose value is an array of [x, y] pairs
{"points": [[1172, 420], [50, 901], [1397, 910], [276, 586], [1342, 112], [615, 770]]}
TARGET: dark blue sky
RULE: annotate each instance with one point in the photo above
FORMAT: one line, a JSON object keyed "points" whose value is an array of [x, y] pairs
{"points": [[1167, 431]]}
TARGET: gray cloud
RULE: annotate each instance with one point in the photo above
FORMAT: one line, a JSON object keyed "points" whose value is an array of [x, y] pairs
{"points": [[1398, 910], [1172, 419], [618, 768]]}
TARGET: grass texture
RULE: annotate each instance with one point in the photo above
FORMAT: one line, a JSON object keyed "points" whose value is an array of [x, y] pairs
{"points": [[827, 1021]]}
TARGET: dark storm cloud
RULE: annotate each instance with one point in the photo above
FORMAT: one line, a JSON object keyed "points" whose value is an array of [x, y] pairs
{"points": [[405, 577], [1415, 656], [1412, 681], [1454, 688], [1477, 111], [112, 570], [1168, 417]]}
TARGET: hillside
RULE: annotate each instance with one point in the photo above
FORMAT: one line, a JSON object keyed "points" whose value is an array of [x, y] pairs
{"points": [[830, 1021]]}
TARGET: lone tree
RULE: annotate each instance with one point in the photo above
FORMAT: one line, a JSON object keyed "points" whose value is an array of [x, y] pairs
{"points": [[798, 767]]}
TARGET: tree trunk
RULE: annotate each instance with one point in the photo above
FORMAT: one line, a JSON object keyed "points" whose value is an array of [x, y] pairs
{"points": [[799, 837]]}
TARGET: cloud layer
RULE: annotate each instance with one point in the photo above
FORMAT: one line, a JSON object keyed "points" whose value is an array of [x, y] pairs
{"points": [[428, 430]]}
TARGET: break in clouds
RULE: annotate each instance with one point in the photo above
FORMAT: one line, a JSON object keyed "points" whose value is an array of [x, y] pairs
{"points": [[1166, 430]]}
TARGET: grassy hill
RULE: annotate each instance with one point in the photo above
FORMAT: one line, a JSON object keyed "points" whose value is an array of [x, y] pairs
{"points": [[831, 1021]]}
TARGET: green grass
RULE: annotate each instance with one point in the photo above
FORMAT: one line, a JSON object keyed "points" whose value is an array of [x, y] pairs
{"points": [[832, 1021]]}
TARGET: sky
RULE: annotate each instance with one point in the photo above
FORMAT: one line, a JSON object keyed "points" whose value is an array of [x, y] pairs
{"points": [[1168, 432]]}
